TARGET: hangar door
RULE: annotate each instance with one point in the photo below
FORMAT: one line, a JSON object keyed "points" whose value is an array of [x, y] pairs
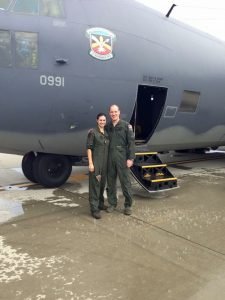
{"points": [[147, 111]]}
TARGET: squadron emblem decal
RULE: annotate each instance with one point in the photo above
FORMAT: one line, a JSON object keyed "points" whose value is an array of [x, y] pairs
{"points": [[101, 43]]}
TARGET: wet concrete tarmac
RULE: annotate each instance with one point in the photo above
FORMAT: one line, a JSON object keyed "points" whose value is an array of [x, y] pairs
{"points": [[172, 247]]}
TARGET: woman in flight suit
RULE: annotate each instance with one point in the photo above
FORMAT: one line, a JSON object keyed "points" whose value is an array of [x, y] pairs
{"points": [[97, 152]]}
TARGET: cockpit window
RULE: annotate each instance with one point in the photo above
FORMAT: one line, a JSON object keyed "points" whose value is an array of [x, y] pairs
{"points": [[26, 49], [50, 8], [26, 6], [5, 49], [4, 4]]}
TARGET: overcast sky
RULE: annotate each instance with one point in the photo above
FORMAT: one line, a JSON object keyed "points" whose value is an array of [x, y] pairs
{"points": [[205, 15]]}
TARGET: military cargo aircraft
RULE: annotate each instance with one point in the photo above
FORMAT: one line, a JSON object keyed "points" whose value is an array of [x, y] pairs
{"points": [[64, 61]]}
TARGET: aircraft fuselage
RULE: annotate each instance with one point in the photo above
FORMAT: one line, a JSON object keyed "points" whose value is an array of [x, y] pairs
{"points": [[102, 53]]}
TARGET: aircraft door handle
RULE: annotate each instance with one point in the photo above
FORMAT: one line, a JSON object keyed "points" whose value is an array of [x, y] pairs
{"points": [[61, 61]]}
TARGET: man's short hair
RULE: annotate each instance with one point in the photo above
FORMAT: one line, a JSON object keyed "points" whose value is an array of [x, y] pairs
{"points": [[114, 105]]}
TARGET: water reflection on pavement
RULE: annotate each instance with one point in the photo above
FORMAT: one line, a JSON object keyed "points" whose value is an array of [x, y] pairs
{"points": [[10, 209]]}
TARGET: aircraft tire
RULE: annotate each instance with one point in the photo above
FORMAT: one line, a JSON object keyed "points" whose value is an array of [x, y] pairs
{"points": [[51, 170], [27, 166]]}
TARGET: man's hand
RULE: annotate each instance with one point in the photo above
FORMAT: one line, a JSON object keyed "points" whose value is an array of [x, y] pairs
{"points": [[130, 163]]}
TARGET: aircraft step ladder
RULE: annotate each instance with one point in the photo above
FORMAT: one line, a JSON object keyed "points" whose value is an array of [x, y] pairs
{"points": [[151, 173]]}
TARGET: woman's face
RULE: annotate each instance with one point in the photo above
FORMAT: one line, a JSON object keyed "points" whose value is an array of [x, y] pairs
{"points": [[101, 121]]}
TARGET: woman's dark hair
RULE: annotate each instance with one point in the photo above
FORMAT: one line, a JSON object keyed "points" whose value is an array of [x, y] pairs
{"points": [[100, 115]]}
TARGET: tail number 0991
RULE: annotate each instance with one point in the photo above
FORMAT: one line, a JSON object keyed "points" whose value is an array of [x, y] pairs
{"points": [[52, 80]]}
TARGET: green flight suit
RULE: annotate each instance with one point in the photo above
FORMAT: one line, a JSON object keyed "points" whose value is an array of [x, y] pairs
{"points": [[99, 144], [121, 148]]}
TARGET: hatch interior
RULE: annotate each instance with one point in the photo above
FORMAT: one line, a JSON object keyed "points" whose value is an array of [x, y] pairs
{"points": [[147, 111]]}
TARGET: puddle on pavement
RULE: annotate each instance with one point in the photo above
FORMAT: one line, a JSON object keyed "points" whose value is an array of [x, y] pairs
{"points": [[10, 209], [12, 202], [13, 188]]}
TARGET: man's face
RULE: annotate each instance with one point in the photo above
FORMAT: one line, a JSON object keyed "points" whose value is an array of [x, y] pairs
{"points": [[114, 113]]}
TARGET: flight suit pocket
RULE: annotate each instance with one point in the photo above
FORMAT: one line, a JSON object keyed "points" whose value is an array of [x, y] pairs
{"points": [[121, 156]]}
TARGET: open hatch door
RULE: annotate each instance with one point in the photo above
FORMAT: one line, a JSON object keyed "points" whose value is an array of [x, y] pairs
{"points": [[147, 111]]}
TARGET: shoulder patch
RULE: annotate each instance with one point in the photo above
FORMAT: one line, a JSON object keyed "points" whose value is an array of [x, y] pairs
{"points": [[90, 130], [130, 127]]}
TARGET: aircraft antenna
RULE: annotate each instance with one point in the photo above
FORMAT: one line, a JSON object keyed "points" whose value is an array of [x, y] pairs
{"points": [[170, 10]]}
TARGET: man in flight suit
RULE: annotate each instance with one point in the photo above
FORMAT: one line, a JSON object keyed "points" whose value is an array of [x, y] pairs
{"points": [[120, 159]]}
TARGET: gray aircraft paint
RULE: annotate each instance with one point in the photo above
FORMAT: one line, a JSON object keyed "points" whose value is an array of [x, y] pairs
{"points": [[170, 54]]}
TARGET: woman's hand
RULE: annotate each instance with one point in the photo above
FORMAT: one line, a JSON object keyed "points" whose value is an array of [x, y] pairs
{"points": [[91, 168]]}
